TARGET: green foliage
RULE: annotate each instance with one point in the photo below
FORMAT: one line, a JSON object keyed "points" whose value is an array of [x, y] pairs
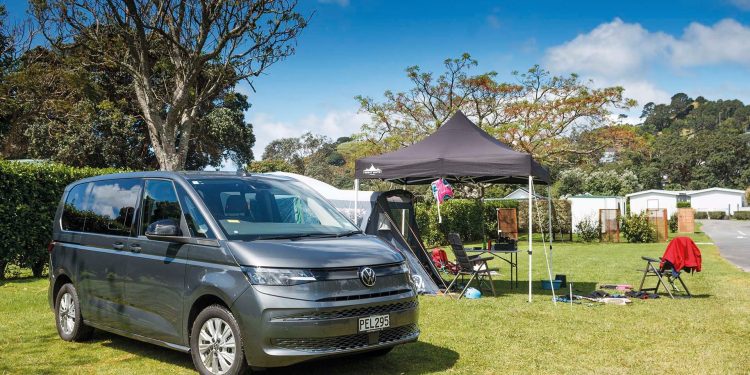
{"points": [[312, 155], [543, 126], [269, 165], [683, 204], [67, 106], [599, 182], [464, 216], [715, 215], [637, 228], [673, 221], [588, 230], [741, 215], [30, 195]]}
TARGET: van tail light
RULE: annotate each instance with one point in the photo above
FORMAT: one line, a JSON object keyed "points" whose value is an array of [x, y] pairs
{"points": [[51, 246]]}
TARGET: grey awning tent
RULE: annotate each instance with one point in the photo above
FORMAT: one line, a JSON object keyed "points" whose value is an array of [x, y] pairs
{"points": [[458, 151]]}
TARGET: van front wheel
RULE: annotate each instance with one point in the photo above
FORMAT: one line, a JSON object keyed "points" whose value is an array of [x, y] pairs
{"points": [[216, 344], [70, 324]]}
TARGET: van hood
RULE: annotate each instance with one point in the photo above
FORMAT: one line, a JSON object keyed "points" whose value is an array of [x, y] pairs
{"points": [[351, 251]]}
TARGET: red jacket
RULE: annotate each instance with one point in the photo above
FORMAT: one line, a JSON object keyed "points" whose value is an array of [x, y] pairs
{"points": [[683, 254]]}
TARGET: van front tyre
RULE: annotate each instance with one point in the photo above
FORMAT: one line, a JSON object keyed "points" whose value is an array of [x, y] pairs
{"points": [[216, 343], [70, 324]]}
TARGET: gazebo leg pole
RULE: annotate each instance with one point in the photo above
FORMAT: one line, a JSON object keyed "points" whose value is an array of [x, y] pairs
{"points": [[530, 224], [356, 203], [549, 224]]}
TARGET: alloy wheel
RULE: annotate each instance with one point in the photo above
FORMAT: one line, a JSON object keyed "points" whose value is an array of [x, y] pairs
{"points": [[216, 346], [67, 313]]}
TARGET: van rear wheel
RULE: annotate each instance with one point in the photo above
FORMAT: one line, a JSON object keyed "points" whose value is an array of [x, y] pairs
{"points": [[216, 343], [70, 325]]}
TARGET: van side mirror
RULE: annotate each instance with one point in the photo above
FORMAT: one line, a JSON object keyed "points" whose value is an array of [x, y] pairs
{"points": [[164, 228]]}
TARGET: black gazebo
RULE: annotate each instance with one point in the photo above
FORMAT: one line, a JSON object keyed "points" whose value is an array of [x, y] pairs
{"points": [[458, 151]]}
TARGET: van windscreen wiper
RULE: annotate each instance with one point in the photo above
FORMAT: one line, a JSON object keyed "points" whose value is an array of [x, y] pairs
{"points": [[296, 236], [308, 235]]}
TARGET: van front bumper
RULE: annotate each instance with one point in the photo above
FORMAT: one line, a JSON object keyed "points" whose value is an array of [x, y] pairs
{"points": [[281, 331]]}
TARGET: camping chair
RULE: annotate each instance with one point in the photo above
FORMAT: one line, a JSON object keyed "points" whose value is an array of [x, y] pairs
{"points": [[681, 255], [475, 267]]}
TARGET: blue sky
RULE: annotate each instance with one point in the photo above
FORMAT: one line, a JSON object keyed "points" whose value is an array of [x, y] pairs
{"points": [[351, 47]]}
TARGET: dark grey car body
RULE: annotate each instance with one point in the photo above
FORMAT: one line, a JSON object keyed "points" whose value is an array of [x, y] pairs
{"points": [[151, 290]]}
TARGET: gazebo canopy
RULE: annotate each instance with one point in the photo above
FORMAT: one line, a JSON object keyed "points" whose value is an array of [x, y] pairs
{"points": [[458, 151]]}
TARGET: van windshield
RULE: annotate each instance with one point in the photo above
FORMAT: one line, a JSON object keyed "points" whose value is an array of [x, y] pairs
{"points": [[264, 208]]}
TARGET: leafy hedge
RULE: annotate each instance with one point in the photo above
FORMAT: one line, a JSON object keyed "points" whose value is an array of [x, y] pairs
{"points": [[683, 204], [717, 215], [464, 216], [29, 199], [742, 215]]}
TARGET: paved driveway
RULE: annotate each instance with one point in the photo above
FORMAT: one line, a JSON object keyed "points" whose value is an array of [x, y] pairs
{"points": [[733, 239]]}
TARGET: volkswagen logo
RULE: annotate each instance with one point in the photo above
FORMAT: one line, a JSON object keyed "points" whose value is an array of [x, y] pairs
{"points": [[367, 276]]}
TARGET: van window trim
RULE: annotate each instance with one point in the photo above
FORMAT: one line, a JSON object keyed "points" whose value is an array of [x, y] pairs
{"points": [[88, 191]]}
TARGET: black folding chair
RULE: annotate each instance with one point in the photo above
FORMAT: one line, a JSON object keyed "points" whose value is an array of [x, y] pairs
{"points": [[665, 276], [476, 267]]}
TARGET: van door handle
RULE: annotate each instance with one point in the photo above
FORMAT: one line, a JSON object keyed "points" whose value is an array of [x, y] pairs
{"points": [[118, 246], [135, 248]]}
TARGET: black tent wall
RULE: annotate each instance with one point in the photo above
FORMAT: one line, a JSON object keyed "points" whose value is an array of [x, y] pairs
{"points": [[385, 204]]}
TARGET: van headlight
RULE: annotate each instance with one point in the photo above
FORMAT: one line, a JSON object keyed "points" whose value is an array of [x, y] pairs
{"points": [[278, 276]]}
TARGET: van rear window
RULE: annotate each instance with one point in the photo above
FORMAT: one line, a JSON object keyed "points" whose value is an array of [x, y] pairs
{"points": [[104, 207]]}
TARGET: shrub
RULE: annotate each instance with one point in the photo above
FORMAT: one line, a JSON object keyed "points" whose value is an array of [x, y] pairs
{"points": [[464, 216], [683, 204], [701, 215], [637, 228], [742, 215], [588, 230], [673, 223], [29, 199], [716, 215]]}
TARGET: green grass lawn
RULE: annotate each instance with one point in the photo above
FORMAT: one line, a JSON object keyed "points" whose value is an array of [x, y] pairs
{"points": [[506, 334]]}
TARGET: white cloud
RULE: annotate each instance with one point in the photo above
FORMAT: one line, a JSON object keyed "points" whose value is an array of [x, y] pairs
{"points": [[333, 124], [742, 4], [724, 42], [621, 53], [493, 21], [342, 3], [611, 49]]}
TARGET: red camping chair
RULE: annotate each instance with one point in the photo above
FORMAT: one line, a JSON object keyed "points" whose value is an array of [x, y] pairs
{"points": [[441, 262], [681, 255]]}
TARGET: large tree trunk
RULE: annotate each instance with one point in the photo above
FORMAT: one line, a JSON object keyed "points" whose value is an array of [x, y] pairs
{"points": [[164, 130]]}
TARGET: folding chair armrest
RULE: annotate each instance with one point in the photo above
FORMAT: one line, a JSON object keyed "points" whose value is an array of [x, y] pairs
{"points": [[649, 259], [482, 259]]}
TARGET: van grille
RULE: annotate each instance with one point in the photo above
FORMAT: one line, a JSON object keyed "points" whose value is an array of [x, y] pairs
{"points": [[351, 313], [348, 342], [364, 296]]}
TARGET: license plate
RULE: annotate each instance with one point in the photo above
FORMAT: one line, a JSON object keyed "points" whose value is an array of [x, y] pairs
{"points": [[374, 323]]}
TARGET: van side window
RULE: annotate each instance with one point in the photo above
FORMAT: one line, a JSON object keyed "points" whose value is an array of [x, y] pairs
{"points": [[196, 223], [160, 204], [74, 217], [102, 207]]}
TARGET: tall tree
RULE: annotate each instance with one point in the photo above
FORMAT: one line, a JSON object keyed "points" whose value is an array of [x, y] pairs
{"points": [[535, 114], [71, 109], [204, 47]]}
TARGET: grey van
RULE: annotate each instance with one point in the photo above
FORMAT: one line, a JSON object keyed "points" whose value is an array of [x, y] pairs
{"points": [[238, 270]]}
